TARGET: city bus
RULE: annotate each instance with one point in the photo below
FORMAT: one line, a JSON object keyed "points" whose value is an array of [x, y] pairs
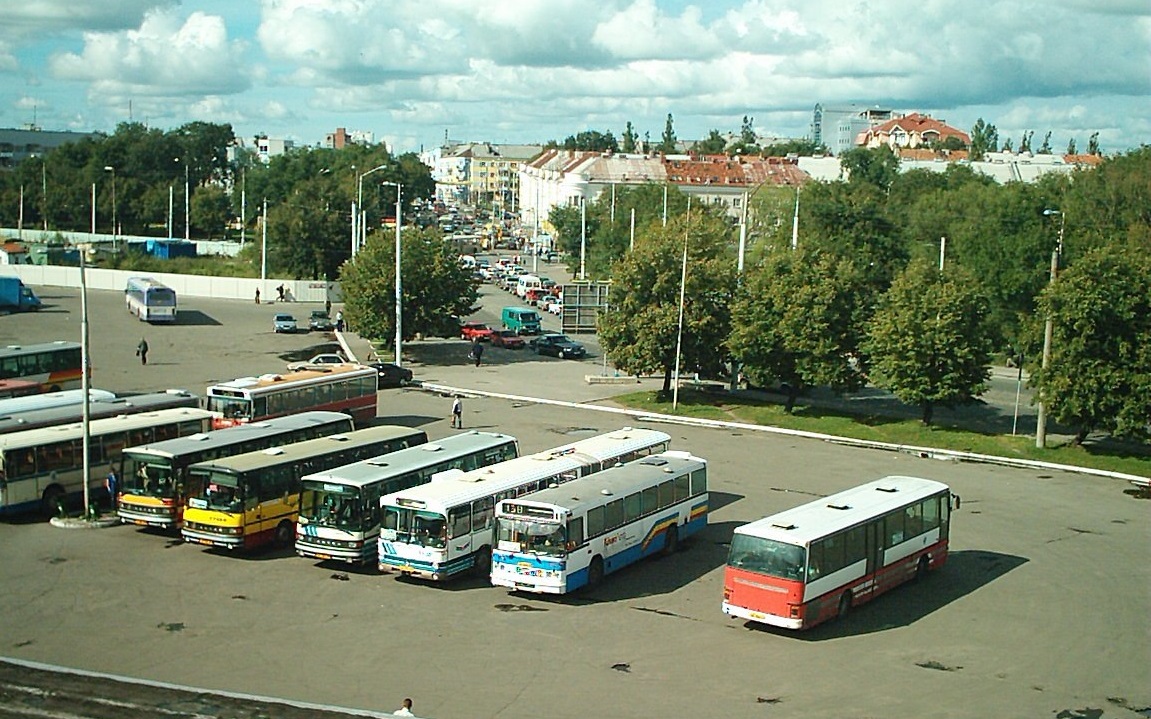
{"points": [[347, 388], [247, 500], [444, 528], [340, 509], [152, 481], [10, 388], [563, 538], [11, 406], [815, 562], [52, 365], [150, 300], [40, 468], [97, 409]]}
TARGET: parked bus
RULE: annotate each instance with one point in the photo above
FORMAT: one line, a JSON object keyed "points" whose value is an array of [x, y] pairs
{"points": [[563, 538], [150, 300], [10, 388], [441, 529], [349, 388], [814, 562], [52, 365], [97, 409], [152, 478], [39, 468], [340, 508], [47, 400], [251, 499]]}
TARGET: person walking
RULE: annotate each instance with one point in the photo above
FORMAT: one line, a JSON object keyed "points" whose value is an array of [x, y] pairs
{"points": [[405, 709], [142, 351], [477, 352], [458, 414], [328, 307], [257, 295], [339, 320], [110, 484]]}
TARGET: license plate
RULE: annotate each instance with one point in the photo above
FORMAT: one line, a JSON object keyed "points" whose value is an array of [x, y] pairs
{"points": [[323, 556], [205, 541], [140, 522]]}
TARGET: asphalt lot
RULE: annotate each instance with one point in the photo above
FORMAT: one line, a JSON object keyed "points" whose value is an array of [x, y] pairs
{"points": [[1042, 610]]}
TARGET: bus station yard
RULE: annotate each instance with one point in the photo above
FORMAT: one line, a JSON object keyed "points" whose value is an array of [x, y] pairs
{"points": [[1041, 609]]}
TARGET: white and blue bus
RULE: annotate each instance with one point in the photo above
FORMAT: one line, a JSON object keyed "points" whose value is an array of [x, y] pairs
{"points": [[443, 528], [340, 509], [150, 300], [98, 408], [563, 538]]}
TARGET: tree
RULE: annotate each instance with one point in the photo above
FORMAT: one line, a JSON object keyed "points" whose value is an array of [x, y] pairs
{"points": [[1007, 147], [1093, 144], [713, 144], [630, 138], [984, 139], [667, 144], [1071, 146], [877, 166], [437, 289], [1100, 309], [639, 329], [1045, 148], [592, 140], [928, 342], [747, 143], [1025, 141], [796, 321]]}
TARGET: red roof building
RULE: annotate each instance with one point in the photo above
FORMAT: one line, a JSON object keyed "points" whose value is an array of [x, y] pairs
{"points": [[910, 131]]}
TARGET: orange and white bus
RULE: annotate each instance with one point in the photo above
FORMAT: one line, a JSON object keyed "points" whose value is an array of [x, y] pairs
{"points": [[347, 388], [815, 562], [54, 366]]}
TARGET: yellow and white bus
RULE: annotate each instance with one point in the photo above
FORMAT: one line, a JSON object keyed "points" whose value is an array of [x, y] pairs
{"points": [[152, 478], [39, 468], [441, 529], [251, 499], [347, 388]]}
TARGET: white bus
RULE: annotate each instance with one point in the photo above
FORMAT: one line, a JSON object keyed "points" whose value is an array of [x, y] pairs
{"points": [[150, 300], [347, 388], [340, 509], [440, 529], [563, 538], [39, 468], [47, 400], [152, 476], [97, 409]]}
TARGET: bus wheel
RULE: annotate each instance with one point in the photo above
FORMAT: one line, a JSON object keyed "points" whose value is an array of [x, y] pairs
{"points": [[844, 605], [922, 568], [671, 541], [483, 565], [595, 572], [283, 534], [53, 496]]}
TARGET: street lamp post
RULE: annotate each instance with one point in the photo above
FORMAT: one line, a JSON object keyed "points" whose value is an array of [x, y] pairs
{"points": [[110, 168], [187, 196], [399, 292], [359, 234], [1048, 332]]}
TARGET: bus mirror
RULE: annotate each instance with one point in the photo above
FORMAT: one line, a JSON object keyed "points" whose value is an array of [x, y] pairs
{"points": [[955, 501]]}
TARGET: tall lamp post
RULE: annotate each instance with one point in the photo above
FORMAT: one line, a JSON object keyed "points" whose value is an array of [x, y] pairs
{"points": [[110, 168], [1048, 331], [187, 194], [359, 235], [399, 293]]}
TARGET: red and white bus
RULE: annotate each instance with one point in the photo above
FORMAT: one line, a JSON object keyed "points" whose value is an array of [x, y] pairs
{"points": [[347, 388], [815, 562]]}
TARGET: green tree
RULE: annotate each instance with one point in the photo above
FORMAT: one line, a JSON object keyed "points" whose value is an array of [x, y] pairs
{"points": [[876, 166], [984, 139], [593, 141], [928, 342], [436, 289], [713, 144], [630, 138], [796, 321], [639, 330], [1071, 146], [667, 143], [1045, 148], [1100, 307], [1093, 144]]}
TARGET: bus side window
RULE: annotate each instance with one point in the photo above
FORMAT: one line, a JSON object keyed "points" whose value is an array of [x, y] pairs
{"points": [[575, 533], [459, 519], [698, 482]]}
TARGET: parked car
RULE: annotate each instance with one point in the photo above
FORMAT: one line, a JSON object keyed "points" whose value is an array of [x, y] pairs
{"points": [[475, 332], [507, 339], [558, 345], [284, 322], [391, 375], [320, 360], [320, 321]]}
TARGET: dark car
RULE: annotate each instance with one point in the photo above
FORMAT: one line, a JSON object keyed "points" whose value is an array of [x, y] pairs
{"points": [[558, 345], [508, 339], [391, 375], [320, 321]]}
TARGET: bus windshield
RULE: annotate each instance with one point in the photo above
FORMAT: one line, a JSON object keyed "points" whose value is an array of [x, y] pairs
{"points": [[409, 526], [149, 476], [161, 297], [220, 491], [331, 506], [230, 407], [767, 556], [535, 537]]}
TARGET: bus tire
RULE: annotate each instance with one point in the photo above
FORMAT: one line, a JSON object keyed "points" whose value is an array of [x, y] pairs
{"points": [[283, 536], [671, 541], [922, 568], [844, 606], [483, 565], [595, 572], [50, 503]]}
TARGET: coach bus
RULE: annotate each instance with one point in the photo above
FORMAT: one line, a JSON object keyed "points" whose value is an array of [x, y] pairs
{"points": [[563, 538], [152, 478], [250, 499], [150, 300], [816, 561], [52, 365], [441, 529], [47, 400], [347, 388], [340, 509], [97, 409], [40, 468]]}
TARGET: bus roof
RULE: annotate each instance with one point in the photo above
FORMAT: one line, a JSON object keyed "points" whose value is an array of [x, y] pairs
{"points": [[147, 283], [807, 522], [46, 400], [75, 430], [248, 461], [613, 444], [375, 469], [11, 350], [616, 482], [289, 378], [239, 433], [98, 409]]}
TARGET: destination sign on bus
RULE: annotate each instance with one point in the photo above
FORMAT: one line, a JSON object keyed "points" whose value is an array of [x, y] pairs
{"points": [[527, 510]]}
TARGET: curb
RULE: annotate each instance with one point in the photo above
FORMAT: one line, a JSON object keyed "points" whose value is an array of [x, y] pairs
{"points": [[101, 522]]}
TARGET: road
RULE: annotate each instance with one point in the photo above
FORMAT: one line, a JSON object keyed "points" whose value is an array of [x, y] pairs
{"points": [[1042, 610]]}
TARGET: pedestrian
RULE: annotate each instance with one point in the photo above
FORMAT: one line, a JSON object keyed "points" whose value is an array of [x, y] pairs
{"points": [[458, 414], [405, 709], [142, 351], [339, 320], [328, 307], [110, 484], [257, 295], [477, 352], [280, 290]]}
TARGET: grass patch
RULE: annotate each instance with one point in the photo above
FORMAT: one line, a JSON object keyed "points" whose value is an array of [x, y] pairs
{"points": [[1108, 456]]}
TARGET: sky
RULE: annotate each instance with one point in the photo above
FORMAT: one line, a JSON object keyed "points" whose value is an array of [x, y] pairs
{"points": [[528, 71]]}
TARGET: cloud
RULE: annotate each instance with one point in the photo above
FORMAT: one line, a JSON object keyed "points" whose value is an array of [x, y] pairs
{"points": [[35, 18]]}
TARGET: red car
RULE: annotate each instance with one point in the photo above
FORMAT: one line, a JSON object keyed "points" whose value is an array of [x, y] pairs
{"points": [[475, 332], [507, 339]]}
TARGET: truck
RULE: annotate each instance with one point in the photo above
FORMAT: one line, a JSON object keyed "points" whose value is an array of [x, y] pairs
{"points": [[15, 296]]}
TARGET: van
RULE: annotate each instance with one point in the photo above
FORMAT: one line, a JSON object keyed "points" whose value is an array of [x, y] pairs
{"points": [[525, 283], [521, 320]]}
